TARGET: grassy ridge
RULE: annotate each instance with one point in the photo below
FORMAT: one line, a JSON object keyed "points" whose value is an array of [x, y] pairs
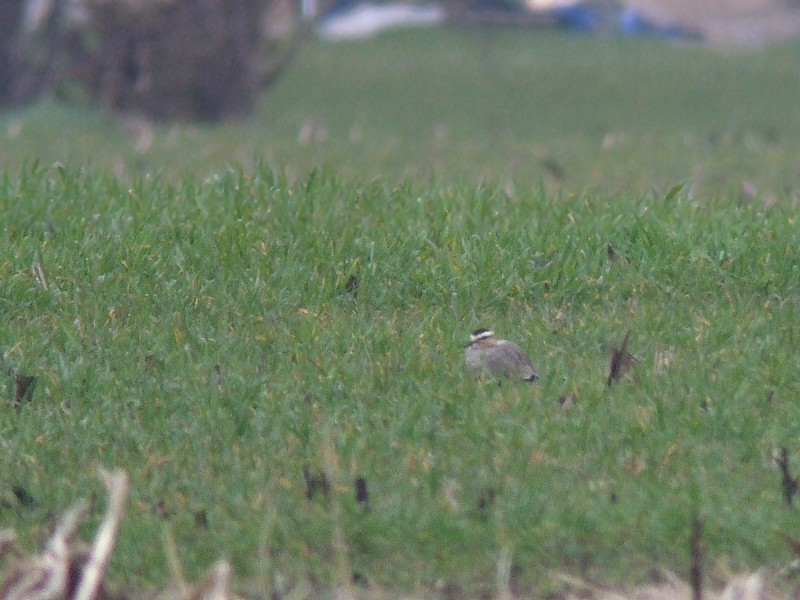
{"points": [[200, 336]]}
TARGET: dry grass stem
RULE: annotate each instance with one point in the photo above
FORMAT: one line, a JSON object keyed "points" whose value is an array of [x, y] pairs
{"points": [[503, 574], [93, 570]]}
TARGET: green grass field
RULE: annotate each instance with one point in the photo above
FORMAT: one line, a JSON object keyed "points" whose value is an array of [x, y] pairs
{"points": [[185, 310]]}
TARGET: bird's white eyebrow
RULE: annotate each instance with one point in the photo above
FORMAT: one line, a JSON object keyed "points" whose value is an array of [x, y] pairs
{"points": [[483, 334]]}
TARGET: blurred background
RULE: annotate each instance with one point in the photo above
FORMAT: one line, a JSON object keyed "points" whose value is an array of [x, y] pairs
{"points": [[623, 95], [208, 60]]}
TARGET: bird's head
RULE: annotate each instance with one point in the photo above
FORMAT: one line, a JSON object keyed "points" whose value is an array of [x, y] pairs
{"points": [[481, 336]]}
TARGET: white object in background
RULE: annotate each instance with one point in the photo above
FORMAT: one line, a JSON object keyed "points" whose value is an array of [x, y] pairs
{"points": [[365, 20]]}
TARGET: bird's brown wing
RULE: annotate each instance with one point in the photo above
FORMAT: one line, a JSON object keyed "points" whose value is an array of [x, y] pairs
{"points": [[498, 364], [520, 361]]}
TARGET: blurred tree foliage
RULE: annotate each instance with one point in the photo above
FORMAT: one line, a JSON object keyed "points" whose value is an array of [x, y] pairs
{"points": [[196, 60]]}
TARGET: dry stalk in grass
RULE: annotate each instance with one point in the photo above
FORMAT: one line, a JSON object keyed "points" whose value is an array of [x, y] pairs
{"points": [[751, 586], [216, 586], [23, 389], [696, 573], [621, 361], [51, 575], [344, 586], [66, 571], [46, 576], [175, 567], [503, 574], [117, 484], [789, 483]]}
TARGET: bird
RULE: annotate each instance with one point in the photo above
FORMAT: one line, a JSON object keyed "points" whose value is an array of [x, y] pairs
{"points": [[499, 357]]}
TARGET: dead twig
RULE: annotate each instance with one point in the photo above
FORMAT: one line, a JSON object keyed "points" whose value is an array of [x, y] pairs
{"points": [[621, 361], [788, 482], [23, 389]]}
